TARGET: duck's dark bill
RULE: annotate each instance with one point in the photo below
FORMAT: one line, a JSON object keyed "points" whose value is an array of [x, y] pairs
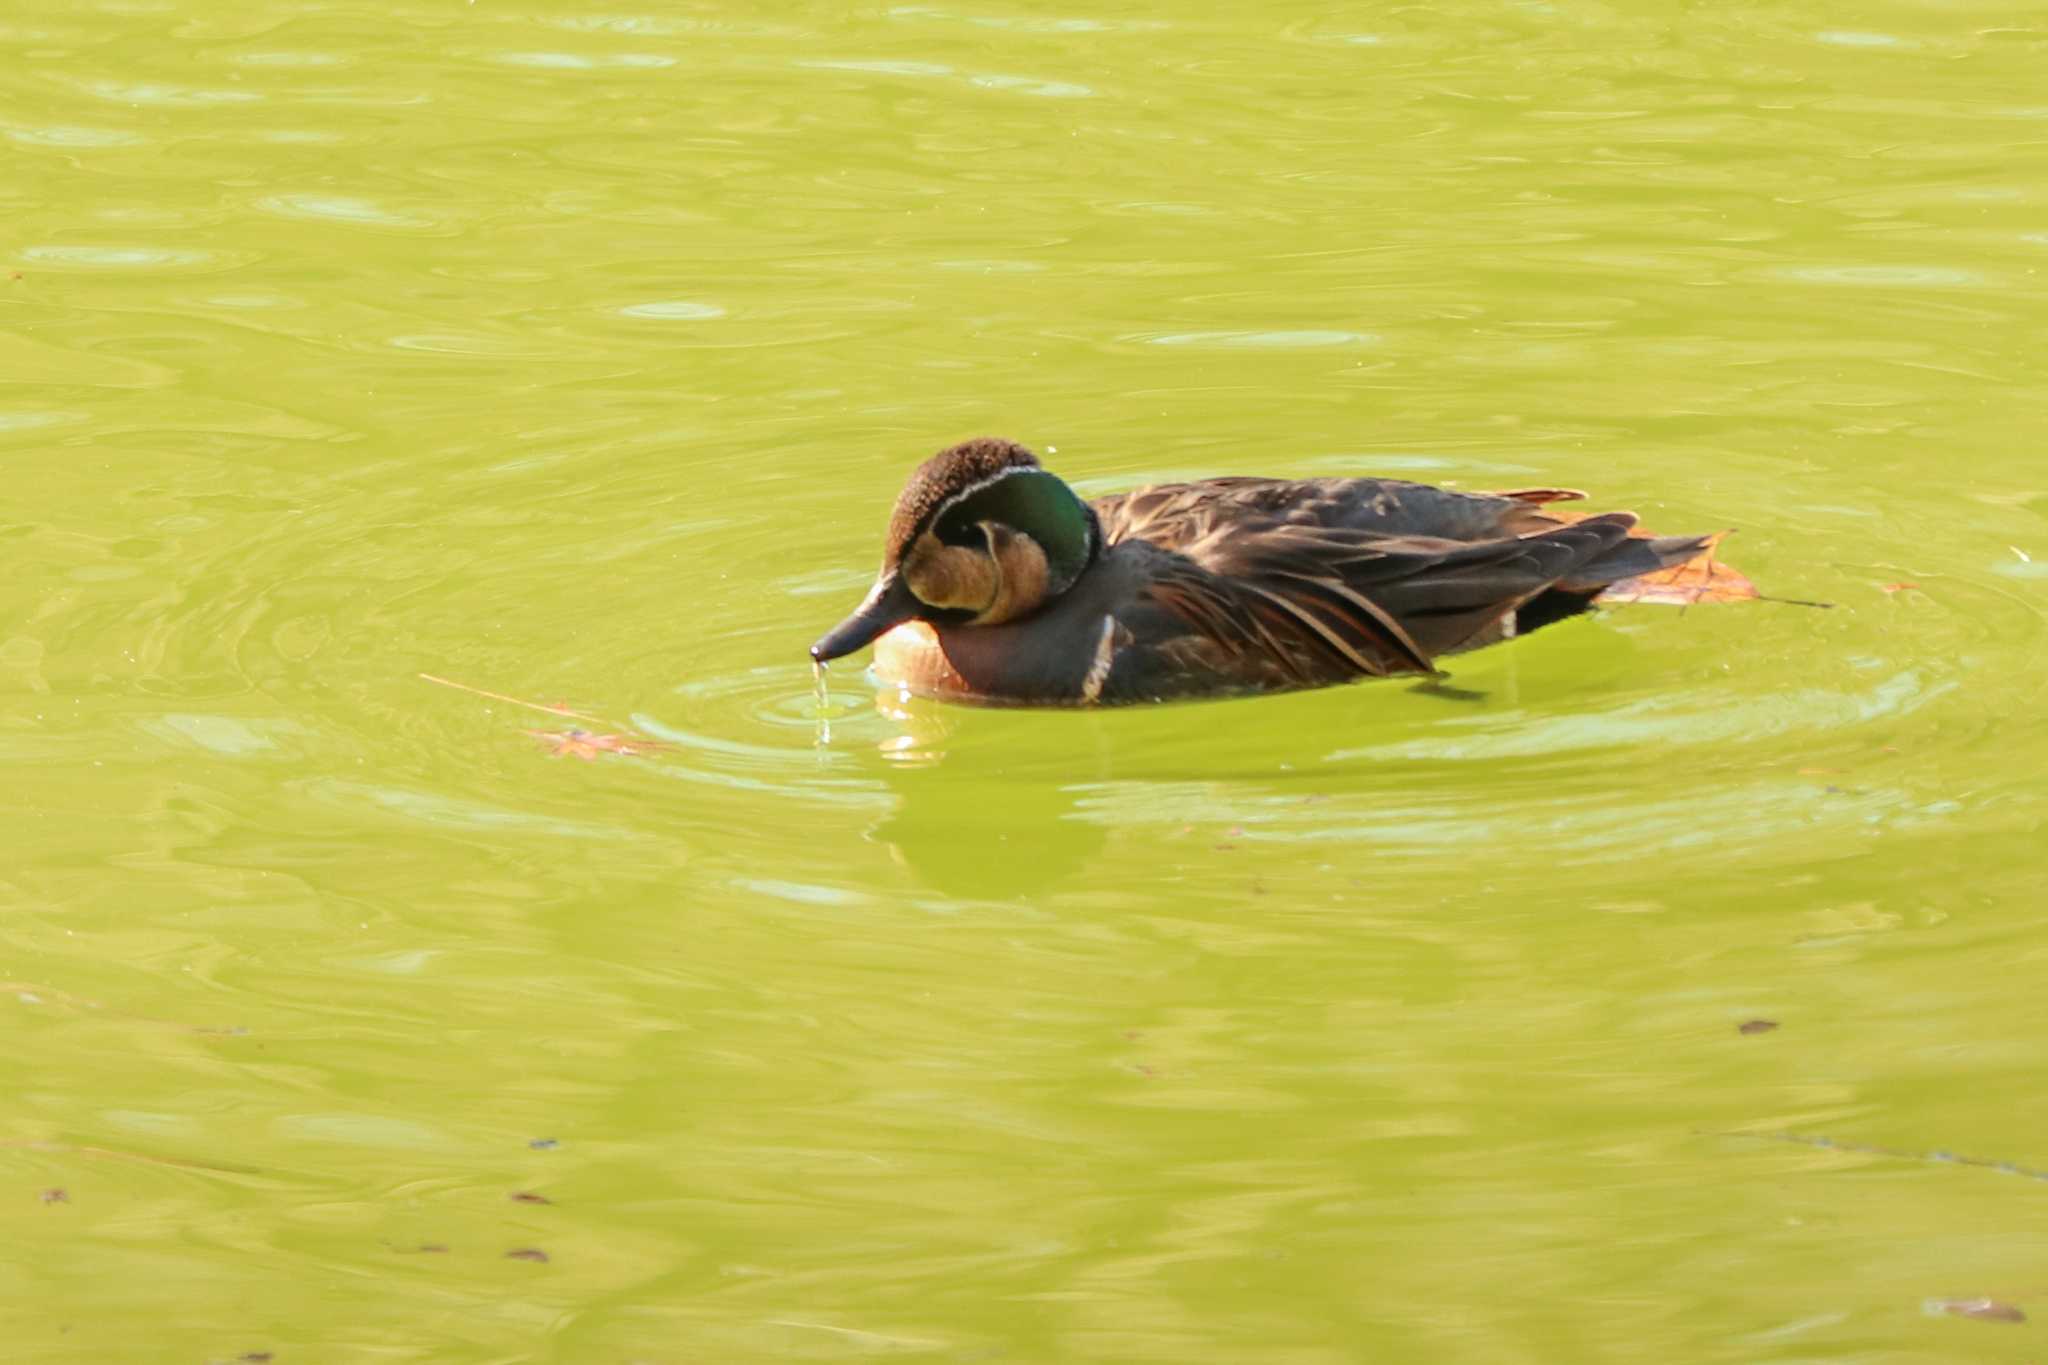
{"points": [[889, 603]]}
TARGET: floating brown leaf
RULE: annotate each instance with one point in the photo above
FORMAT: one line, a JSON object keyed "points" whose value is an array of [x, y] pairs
{"points": [[581, 743], [1898, 587], [587, 746], [526, 1254], [1703, 578], [1756, 1026], [54, 1196], [529, 1197]]}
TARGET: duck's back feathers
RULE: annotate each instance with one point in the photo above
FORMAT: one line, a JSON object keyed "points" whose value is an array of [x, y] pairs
{"points": [[1304, 582]]}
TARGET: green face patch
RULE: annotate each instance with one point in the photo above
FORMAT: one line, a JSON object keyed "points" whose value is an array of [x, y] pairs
{"points": [[1036, 503]]}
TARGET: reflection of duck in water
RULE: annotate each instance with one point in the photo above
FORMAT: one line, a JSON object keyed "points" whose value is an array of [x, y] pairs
{"points": [[1000, 585], [1003, 826]]}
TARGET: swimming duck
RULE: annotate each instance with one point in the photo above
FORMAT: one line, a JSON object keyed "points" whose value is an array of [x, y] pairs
{"points": [[1000, 585]]}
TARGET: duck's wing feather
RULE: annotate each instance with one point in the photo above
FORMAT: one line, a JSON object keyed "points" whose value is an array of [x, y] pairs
{"points": [[1326, 579], [1174, 513]]}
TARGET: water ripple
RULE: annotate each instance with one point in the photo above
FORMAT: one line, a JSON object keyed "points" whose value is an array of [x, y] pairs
{"points": [[1262, 340], [335, 208], [1028, 85], [1853, 38], [1882, 276], [172, 95], [115, 257], [673, 310], [576, 61], [73, 136], [289, 59]]}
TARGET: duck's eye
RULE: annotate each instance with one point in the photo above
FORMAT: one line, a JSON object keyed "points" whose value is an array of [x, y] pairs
{"points": [[960, 531]]}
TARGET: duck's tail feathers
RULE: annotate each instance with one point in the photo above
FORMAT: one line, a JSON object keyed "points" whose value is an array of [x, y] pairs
{"points": [[1633, 558]]}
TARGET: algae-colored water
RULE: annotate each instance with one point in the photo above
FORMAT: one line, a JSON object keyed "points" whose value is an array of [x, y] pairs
{"points": [[575, 353]]}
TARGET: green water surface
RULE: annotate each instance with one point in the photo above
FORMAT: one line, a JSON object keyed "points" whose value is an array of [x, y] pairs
{"points": [[574, 354]]}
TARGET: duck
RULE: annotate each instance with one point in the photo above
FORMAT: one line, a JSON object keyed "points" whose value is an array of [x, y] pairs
{"points": [[999, 585]]}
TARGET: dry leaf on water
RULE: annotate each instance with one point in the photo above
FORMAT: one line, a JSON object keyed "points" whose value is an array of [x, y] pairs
{"points": [[587, 746], [1703, 578], [577, 742]]}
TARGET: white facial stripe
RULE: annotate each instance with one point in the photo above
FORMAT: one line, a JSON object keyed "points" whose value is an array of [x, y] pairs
{"points": [[990, 482]]}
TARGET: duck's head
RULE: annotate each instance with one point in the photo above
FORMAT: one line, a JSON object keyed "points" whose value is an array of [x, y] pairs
{"points": [[981, 535]]}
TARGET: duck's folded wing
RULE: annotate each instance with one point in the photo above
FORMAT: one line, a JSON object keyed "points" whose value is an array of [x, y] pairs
{"points": [[1338, 602], [1279, 631]]}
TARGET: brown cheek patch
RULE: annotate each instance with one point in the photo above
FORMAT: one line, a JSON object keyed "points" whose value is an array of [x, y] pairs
{"points": [[1023, 576], [949, 575]]}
